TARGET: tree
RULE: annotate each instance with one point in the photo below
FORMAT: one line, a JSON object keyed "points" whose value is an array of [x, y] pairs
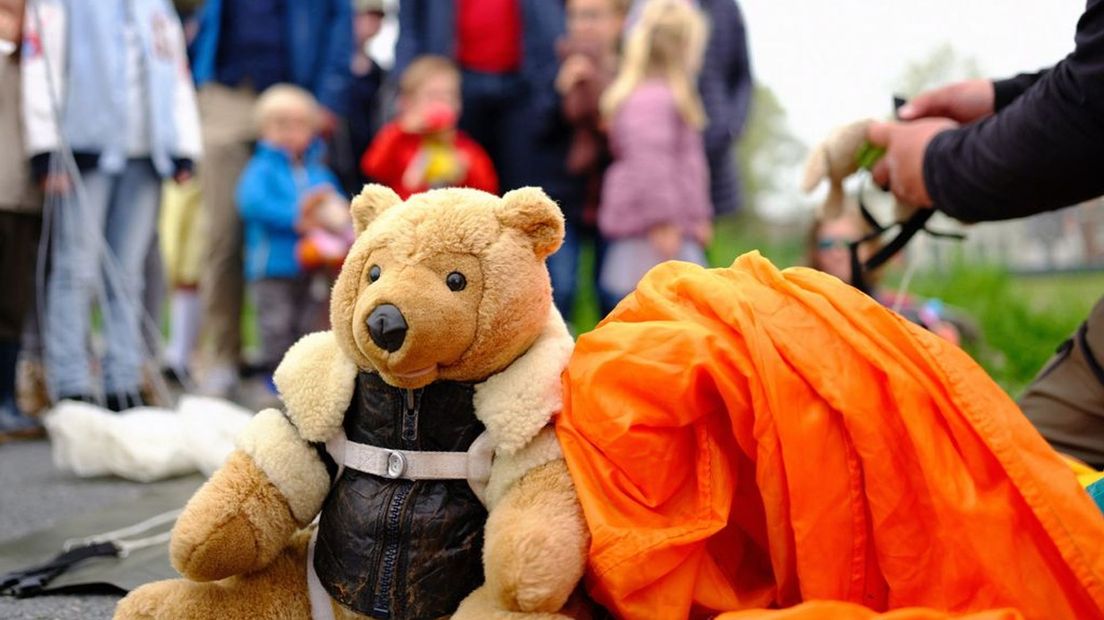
{"points": [[768, 152], [942, 66]]}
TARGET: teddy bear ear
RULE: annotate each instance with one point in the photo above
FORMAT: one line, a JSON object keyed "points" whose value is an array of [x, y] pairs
{"points": [[370, 203], [532, 213]]}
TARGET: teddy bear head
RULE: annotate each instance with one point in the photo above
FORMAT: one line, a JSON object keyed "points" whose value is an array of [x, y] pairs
{"points": [[450, 284]]}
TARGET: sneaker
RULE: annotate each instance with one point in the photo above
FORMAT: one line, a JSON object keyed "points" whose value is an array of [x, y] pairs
{"points": [[80, 398], [122, 401], [15, 425], [30, 386], [220, 381]]}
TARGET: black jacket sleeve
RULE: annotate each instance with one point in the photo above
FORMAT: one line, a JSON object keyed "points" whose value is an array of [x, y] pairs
{"points": [[1042, 151], [1007, 91]]}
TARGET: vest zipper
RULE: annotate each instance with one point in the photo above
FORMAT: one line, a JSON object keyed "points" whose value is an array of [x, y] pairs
{"points": [[390, 558], [408, 428], [393, 526]]}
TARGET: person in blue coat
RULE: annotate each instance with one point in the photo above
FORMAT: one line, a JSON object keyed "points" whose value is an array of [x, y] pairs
{"points": [[242, 47], [285, 175]]}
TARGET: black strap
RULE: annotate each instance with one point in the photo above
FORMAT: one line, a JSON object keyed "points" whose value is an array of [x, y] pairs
{"points": [[32, 580], [327, 460], [914, 224], [1090, 357], [909, 228]]}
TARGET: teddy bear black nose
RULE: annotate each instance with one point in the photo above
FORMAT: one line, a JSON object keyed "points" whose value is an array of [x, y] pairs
{"points": [[387, 327]]}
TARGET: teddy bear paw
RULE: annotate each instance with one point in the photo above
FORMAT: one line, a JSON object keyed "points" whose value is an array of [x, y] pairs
{"points": [[483, 604], [148, 602], [210, 559]]}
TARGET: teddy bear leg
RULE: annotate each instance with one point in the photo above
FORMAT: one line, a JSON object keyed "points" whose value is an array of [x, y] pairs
{"points": [[536, 543], [237, 522], [277, 591], [482, 605]]}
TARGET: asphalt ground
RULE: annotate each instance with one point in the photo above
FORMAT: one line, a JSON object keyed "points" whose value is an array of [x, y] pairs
{"points": [[34, 496]]}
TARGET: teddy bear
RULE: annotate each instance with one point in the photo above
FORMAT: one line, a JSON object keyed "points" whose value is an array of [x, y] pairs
{"points": [[418, 432], [326, 230]]}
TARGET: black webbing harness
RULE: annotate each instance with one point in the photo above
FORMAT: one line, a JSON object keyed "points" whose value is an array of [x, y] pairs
{"points": [[31, 581], [908, 228]]}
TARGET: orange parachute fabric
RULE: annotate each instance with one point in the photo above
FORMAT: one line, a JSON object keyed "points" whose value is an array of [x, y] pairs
{"points": [[776, 445]]}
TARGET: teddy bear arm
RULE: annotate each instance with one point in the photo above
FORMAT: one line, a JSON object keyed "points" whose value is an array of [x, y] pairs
{"points": [[536, 542], [273, 484]]}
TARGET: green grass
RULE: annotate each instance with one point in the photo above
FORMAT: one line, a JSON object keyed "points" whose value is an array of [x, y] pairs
{"points": [[1023, 319]]}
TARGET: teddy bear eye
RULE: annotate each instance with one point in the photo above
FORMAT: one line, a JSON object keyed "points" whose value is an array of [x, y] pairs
{"points": [[373, 273], [456, 281]]}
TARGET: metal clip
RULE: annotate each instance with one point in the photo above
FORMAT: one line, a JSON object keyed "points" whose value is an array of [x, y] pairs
{"points": [[396, 464]]}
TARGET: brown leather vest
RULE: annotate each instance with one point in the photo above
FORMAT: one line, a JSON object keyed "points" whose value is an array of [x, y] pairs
{"points": [[393, 548]]}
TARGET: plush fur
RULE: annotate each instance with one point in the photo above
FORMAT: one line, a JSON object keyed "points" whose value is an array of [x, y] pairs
{"points": [[288, 462], [315, 379], [500, 332], [279, 592], [236, 523]]}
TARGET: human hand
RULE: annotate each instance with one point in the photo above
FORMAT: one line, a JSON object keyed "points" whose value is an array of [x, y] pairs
{"points": [[575, 68], [703, 233], [57, 184], [666, 239], [327, 122], [965, 102], [901, 169], [308, 210], [414, 175]]}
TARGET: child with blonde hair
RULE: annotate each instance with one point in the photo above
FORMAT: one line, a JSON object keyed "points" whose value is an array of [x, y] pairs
{"points": [[285, 197], [655, 196]]}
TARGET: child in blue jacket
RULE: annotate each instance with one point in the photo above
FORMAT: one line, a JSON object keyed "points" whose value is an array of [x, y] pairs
{"points": [[278, 195]]}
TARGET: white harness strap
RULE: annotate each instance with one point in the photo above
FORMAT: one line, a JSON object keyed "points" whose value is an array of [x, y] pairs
{"points": [[473, 465], [321, 607]]}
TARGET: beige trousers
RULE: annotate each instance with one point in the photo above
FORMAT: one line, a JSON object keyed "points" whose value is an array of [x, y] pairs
{"points": [[1066, 401], [228, 134]]}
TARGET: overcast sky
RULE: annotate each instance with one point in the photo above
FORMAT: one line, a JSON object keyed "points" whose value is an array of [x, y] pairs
{"points": [[834, 61]]}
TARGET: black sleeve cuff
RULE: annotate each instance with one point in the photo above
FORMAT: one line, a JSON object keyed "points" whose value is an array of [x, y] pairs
{"points": [[935, 178], [183, 165], [1006, 91], [40, 166]]}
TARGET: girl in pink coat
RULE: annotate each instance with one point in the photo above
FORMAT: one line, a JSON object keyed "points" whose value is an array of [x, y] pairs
{"points": [[655, 196]]}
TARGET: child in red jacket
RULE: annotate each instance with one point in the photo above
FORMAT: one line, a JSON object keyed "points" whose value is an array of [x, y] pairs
{"points": [[422, 149]]}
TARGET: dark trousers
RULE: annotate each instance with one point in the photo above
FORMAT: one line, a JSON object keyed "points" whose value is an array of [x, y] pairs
{"points": [[19, 235], [287, 309]]}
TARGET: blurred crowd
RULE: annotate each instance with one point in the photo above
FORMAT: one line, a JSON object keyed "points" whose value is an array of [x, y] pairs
{"points": [[175, 160]]}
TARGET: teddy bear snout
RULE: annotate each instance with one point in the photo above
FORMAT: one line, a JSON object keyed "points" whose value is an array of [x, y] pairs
{"points": [[387, 327]]}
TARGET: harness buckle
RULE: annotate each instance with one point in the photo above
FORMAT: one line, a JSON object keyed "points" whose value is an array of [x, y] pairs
{"points": [[396, 464]]}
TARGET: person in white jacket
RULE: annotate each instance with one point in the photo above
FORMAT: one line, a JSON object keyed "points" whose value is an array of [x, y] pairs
{"points": [[109, 111]]}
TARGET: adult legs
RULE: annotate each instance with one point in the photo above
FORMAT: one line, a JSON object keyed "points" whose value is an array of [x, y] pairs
{"points": [[563, 267], [129, 231], [227, 116], [481, 114], [77, 230], [18, 247]]}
